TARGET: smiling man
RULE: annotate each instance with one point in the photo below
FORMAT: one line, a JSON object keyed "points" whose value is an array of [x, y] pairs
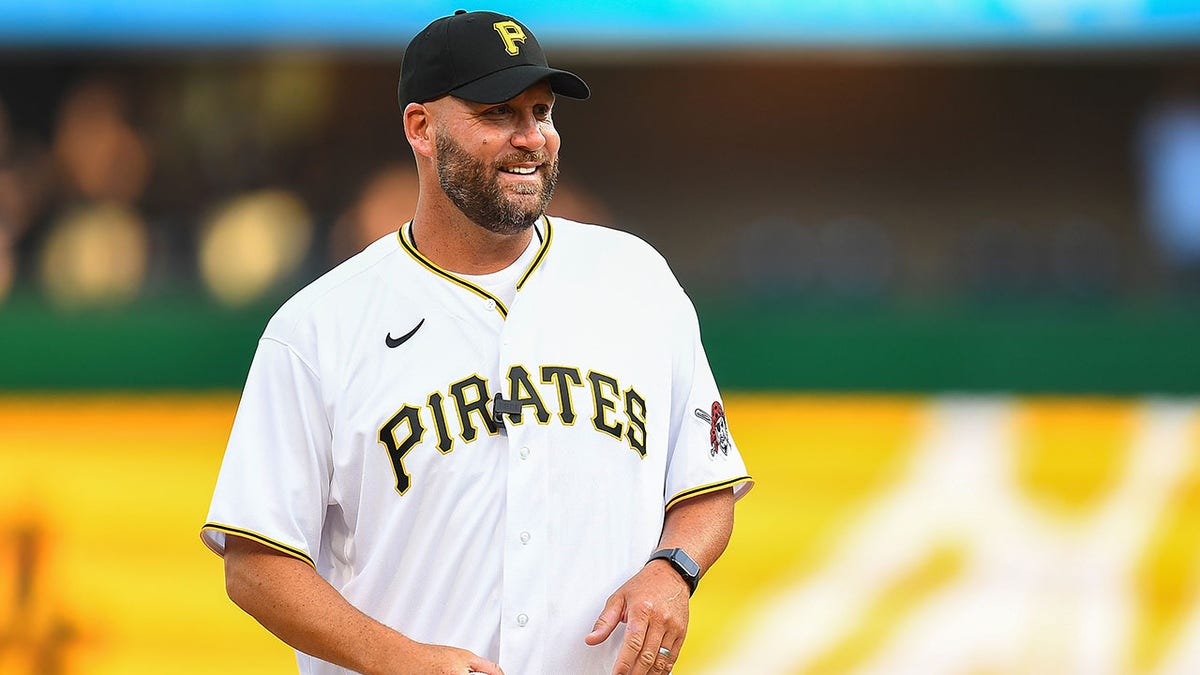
{"points": [[538, 459]]}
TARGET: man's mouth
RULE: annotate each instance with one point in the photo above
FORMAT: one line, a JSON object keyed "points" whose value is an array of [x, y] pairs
{"points": [[520, 170]]}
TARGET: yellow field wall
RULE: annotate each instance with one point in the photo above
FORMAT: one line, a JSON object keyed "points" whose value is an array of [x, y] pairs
{"points": [[928, 535]]}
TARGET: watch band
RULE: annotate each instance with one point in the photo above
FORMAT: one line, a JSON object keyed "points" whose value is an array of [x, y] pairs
{"points": [[683, 564]]}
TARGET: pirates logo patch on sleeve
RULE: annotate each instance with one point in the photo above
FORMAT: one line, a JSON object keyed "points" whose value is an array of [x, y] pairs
{"points": [[718, 434]]}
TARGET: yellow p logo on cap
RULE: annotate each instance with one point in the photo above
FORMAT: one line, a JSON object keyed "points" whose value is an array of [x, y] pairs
{"points": [[511, 33]]}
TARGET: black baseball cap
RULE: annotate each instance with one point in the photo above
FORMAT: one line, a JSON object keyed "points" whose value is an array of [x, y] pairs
{"points": [[478, 56]]}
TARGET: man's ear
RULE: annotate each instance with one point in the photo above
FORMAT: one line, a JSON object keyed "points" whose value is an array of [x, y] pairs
{"points": [[418, 128]]}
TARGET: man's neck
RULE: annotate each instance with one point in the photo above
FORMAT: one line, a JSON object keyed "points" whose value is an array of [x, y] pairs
{"points": [[455, 243]]}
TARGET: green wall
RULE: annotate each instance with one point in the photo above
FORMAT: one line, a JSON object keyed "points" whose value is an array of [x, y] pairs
{"points": [[188, 343]]}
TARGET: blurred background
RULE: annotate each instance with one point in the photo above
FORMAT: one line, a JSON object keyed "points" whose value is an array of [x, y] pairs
{"points": [[946, 255]]}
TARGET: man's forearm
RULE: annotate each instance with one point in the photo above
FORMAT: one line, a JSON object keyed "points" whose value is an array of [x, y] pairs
{"points": [[291, 600], [701, 526]]}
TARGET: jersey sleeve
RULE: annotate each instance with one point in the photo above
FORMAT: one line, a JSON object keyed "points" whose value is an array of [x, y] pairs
{"points": [[703, 457], [274, 482]]}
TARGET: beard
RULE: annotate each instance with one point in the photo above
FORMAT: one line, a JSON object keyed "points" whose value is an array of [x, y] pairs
{"points": [[474, 187]]}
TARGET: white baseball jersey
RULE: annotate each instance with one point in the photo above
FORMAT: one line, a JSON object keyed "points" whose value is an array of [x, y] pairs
{"points": [[365, 442]]}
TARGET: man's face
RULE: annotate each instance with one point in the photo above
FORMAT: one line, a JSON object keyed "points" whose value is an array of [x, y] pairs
{"points": [[499, 163]]}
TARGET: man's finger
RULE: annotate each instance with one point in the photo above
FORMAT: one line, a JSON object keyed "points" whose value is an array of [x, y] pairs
{"points": [[635, 639], [480, 665], [648, 658], [667, 661], [608, 620]]}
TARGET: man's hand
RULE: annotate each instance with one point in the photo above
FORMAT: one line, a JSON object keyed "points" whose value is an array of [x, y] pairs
{"points": [[654, 607]]}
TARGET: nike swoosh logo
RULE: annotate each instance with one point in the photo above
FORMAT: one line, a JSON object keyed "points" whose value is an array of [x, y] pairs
{"points": [[396, 342]]}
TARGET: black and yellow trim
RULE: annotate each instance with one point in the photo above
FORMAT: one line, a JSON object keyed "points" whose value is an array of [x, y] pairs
{"points": [[407, 245], [541, 254], [254, 536], [705, 489]]}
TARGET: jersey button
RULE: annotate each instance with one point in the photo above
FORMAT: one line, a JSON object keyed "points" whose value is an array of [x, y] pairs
{"points": [[525, 536], [524, 453], [491, 305], [522, 619]]}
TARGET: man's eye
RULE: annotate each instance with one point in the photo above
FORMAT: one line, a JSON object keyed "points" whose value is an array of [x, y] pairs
{"points": [[498, 110]]}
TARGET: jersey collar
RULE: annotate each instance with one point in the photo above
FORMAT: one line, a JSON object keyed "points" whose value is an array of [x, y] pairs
{"points": [[404, 234]]}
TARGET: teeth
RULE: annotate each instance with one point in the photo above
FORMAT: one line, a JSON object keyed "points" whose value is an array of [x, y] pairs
{"points": [[522, 170]]}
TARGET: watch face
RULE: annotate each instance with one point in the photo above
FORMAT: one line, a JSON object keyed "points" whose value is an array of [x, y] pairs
{"points": [[686, 563]]}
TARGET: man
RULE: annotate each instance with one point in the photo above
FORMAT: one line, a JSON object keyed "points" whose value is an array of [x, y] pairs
{"points": [[492, 437]]}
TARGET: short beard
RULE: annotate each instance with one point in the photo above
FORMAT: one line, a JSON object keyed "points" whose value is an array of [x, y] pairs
{"points": [[475, 189]]}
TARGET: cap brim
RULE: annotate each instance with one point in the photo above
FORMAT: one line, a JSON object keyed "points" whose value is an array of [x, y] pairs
{"points": [[507, 84]]}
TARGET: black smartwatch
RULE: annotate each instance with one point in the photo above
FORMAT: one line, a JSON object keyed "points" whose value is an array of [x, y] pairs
{"points": [[683, 563]]}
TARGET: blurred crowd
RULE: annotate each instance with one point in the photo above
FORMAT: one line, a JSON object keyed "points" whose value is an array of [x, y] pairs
{"points": [[209, 182], [243, 179], [91, 212], [82, 189]]}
